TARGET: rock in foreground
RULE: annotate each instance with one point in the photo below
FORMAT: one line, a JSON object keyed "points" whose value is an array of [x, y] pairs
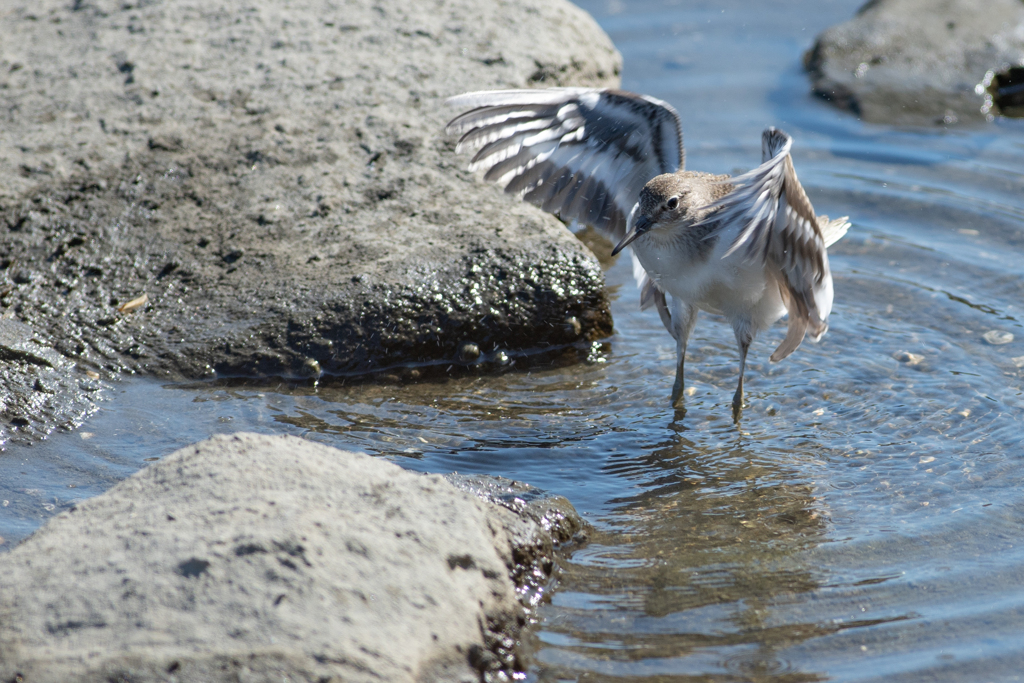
{"points": [[275, 179], [921, 61], [261, 558]]}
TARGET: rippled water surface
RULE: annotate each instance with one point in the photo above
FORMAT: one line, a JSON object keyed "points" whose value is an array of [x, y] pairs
{"points": [[866, 520]]}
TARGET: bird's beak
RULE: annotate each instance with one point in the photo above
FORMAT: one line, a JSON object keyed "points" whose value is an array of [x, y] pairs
{"points": [[641, 225]]}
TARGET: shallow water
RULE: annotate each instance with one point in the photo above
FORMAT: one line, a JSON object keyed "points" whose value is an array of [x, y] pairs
{"points": [[863, 523]]}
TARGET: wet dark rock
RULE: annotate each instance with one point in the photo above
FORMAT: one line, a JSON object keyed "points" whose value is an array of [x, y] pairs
{"points": [[1005, 90], [40, 389], [277, 182], [254, 557], [539, 525], [535, 552], [922, 61]]}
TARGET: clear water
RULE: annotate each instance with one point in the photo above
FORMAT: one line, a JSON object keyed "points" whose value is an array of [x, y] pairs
{"points": [[864, 523]]}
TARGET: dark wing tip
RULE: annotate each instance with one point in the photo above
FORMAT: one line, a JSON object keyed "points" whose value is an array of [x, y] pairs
{"points": [[774, 142]]}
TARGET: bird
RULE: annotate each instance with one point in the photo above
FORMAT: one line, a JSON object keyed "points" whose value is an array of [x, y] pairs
{"points": [[748, 247]]}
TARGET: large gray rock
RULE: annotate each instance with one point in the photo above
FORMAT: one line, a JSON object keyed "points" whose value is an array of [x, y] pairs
{"points": [[920, 61], [259, 558], [275, 178]]}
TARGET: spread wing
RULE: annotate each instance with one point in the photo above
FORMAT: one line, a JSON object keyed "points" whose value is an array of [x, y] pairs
{"points": [[776, 224], [581, 153]]}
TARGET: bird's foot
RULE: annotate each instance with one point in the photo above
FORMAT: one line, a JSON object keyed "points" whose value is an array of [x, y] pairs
{"points": [[677, 395], [737, 406]]}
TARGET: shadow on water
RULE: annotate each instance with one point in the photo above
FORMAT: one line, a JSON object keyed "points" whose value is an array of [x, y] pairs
{"points": [[681, 579]]}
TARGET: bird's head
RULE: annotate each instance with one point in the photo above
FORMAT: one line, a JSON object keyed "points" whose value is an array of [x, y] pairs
{"points": [[663, 205], [674, 202]]}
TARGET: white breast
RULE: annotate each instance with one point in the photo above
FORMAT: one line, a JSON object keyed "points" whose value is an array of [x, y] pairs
{"points": [[733, 286]]}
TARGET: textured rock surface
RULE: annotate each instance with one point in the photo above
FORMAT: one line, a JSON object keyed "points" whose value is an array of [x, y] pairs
{"points": [[540, 523], [275, 178], [37, 382], [253, 558], [918, 61]]}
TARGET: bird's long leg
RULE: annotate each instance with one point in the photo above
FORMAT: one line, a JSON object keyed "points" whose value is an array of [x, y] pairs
{"points": [[683, 318], [743, 338]]}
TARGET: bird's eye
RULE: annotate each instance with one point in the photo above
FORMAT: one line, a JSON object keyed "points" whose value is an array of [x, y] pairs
{"points": [[672, 203]]}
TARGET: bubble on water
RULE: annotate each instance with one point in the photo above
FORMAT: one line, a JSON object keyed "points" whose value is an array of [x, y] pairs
{"points": [[1018, 361], [998, 337]]}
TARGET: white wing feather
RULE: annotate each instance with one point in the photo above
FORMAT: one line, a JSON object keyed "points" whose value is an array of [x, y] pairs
{"points": [[581, 153]]}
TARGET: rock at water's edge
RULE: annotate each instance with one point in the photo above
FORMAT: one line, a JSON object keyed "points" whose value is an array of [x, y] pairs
{"points": [[38, 387], [919, 61], [252, 557], [275, 178]]}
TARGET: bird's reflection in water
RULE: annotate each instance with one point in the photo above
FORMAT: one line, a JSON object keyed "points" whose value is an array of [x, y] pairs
{"points": [[709, 540]]}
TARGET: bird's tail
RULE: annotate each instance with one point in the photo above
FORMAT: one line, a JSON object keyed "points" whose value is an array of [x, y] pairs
{"points": [[802, 320], [794, 336], [832, 230]]}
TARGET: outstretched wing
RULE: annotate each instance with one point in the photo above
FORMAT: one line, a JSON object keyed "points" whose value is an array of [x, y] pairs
{"points": [[581, 153], [776, 224]]}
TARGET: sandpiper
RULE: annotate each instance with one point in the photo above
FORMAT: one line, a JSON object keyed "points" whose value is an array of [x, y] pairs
{"points": [[748, 247]]}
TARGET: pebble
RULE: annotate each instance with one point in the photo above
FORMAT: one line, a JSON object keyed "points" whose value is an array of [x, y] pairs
{"points": [[311, 367], [908, 357], [468, 352], [997, 337]]}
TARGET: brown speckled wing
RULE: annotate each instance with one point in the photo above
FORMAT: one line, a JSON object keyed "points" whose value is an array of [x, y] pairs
{"points": [[774, 222]]}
